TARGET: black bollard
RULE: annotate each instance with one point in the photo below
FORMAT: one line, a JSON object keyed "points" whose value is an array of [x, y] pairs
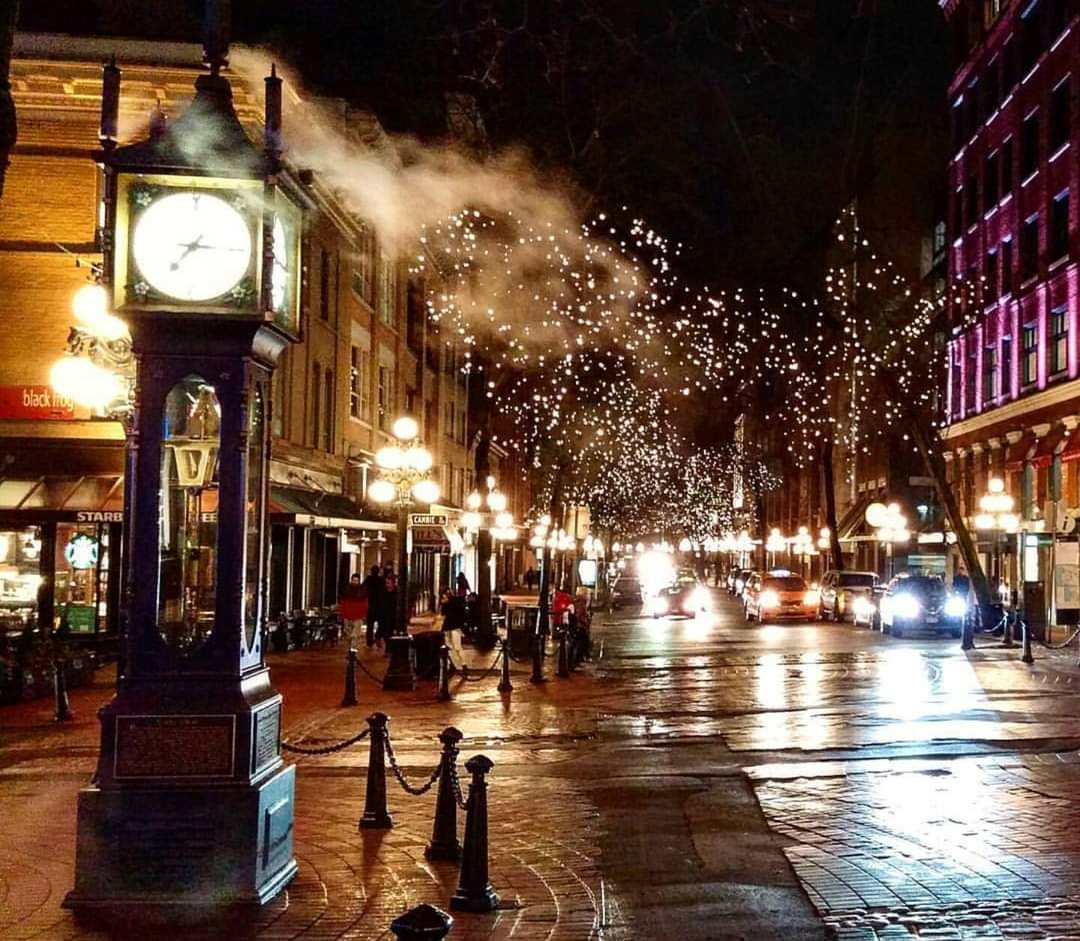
{"points": [[444, 674], [63, 707], [475, 893], [349, 697], [423, 923], [505, 686], [538, 655], [444, 840], [376, 816], [1028, 656], [967, 634], [1007, 632], [564, 662]]}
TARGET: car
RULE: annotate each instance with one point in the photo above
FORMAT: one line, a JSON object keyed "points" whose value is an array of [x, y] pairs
{"points": [[839, 591], [921, 602], [865, 608], [778, 597], [626, 590], [686, 597]]}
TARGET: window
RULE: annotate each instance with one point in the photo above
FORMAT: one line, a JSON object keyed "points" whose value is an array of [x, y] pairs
{"points": [[1059, 226], [360, 383], [991, 11], [387, 291], [1060, 14], [1060, 116], [410, 400], [990, 292], [316, 391], [324, 284], [939, 240], [1006, 367], [1006, 266], [363, 276], [992, 81], [972, 193], [1058, 347], [958, 124], [1008, 67], [971, 372], [386, 396], [1029, 365], [462, 418], [958, 213], [992, 180], [1006, 168], [971, 102], [328, 414], [277, 397], [1029, 248], [448, 420], [1031, 35], [1029, 145], [990, 376]]}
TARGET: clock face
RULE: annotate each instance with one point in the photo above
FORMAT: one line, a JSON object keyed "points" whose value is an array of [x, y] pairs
{"points": [[192, 246]]}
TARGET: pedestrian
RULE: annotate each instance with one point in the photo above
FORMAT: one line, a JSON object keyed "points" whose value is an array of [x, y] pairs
{"points": [[452, 620], [462, 585], [353, 607], [388, 610], [583, 623], [530, 578], [374, 586]]}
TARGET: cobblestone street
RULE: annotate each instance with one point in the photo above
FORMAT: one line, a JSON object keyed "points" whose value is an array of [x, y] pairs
{"points": [[700, 779]]}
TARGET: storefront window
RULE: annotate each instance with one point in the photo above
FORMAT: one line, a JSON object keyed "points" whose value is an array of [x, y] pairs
{"points": [[82, 577], [191, 440], [253, 522], [20, 579]]}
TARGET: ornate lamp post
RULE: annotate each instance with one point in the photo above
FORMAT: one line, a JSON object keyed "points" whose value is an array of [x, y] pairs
{"points": [[486, 516], [996, 515], [403, 480], [890, 528], [775, 544]]}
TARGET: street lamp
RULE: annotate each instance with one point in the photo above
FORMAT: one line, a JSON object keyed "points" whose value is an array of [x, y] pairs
{"points": [[890, 525], [802, 545], [494, 524], [996, 515], [776, 543], [403, 480]]}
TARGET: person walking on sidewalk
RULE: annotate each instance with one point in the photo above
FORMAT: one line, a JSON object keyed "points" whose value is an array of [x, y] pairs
{"points": [[353, 607], [462, 585], [373, 585], [451, 621], [388, 607]]}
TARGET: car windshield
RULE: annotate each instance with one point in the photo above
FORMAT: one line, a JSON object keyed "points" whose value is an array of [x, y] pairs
{"points": [[787, 583], [627, 582], [921, 585], [857, 580]]}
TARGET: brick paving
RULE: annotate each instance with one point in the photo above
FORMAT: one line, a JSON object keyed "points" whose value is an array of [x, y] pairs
{"points": [[701, 780]]}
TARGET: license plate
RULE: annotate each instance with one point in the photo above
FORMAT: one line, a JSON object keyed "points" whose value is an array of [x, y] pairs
{"points": [[931, 619]]}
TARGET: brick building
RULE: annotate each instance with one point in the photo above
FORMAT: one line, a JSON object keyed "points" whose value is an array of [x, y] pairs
{"points": [[1013, 395], [366, 355]]}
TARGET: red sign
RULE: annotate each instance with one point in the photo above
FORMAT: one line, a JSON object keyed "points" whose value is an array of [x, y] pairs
{"points": [[34, 402]]}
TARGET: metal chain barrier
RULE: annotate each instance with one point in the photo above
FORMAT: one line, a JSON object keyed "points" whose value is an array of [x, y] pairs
{"points": [[371, 676], [469, 678], [328, 749], [1065, 643], [456, 784], [400, 775]]}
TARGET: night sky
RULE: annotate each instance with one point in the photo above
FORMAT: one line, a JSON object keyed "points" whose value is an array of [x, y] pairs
{"points": [[738, 128]]}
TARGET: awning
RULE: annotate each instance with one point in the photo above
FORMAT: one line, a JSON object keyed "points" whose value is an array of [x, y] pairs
{"points": [[441, 539], [1018, 454], [86, 498], [327, 510], [853, 518], [1048, 445]]}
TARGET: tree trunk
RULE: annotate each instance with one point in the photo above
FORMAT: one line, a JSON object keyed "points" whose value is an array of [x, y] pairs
{"points": [[763, 531], [554, 509], [485, 635], [829, 488]]}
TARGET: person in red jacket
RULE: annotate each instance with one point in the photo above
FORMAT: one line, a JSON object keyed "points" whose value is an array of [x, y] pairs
{"points": [[353, 606], [560, 606]]}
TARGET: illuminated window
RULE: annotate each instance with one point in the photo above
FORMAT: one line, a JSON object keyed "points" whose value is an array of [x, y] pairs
{"points": [[1058, 347], [1029, 363], [1060, 116], [1059, 226], [990, 376]]}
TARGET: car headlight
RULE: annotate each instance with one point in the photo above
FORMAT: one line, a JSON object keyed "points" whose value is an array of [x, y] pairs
{"points": [[955, 607], [907, 606], [770, 599], [862, 607], [812, 597], [738, 584], [700, 600], [660, 605]]}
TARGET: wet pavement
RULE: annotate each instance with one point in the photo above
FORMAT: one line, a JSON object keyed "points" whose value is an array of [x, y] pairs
{"points": [[702, 779]]}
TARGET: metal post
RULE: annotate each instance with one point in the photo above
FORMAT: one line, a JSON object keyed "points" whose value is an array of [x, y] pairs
{"points": [[538, 650], [63, 707], [505, 686], [444, 841], [349, 698], [376, 816], [401, 671], [423, 923], [564, 664], [1006, 634], [444, 674], [1028, 656], [475, 893]]}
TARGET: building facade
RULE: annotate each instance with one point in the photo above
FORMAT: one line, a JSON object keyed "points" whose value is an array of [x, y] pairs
{"points": [[1013, 395], [367, 355]]}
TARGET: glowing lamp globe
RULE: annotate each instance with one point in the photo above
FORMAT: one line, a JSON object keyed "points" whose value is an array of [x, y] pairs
{"points": [[405, 428], [497, 501], [382, 491], [471, 520], [1010, 522], [419, 459], [390, 457], [537, 542], [504, 520], [473, 500], [877, 514], [84, 382], [684, 545], [996, 485], [426, 491], [89, 303]]}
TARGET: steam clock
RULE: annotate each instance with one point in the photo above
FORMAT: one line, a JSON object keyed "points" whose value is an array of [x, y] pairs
{"points": [[192, 802]]}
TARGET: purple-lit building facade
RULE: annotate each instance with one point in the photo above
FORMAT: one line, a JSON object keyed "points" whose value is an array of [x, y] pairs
{"points": [[1013, 396]]}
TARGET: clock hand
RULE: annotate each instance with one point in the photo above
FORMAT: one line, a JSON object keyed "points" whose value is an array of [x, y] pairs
{"points": [[189, 247]]}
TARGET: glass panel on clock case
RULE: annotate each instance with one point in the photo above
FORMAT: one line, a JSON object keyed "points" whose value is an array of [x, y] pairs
{"points": [[187, 570], [253, 517], [286, 256]]}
